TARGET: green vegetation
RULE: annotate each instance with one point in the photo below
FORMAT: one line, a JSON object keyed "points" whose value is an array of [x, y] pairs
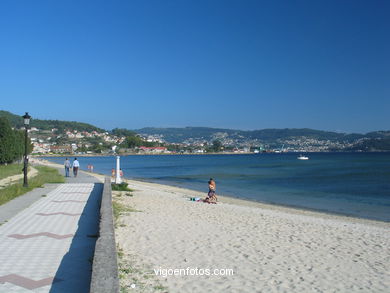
{"points": [[120, 209], [217, 146], [122, 132], [17, 121], [45, 175], [178, 135], [136, 141], [120, 187], [372, 145], [179, 140], [132, 140], [10, 170], [132, 273], [11, 142]]}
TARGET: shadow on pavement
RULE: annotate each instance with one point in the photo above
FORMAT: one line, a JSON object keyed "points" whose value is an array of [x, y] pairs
{"points": [[74, 272]]}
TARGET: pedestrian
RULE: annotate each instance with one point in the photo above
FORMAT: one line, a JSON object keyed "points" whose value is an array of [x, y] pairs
{"points": [[67, 167], [91, 169], [75, 166], [113, 173]]}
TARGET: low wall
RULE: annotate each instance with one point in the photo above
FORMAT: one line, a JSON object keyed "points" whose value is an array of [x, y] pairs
{"points": [[105, 267]]}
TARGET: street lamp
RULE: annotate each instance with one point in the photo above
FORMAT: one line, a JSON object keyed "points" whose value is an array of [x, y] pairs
{"points": [[26, 122]]}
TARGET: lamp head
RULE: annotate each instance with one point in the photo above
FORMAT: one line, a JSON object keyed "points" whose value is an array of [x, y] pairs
{"points": [[26, 118]]}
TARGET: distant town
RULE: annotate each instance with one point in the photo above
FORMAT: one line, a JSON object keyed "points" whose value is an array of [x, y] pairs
{"points": [[84, 143], [54, 137]]}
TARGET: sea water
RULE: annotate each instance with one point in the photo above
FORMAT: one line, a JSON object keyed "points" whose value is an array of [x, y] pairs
{"points": [[353, 184]]}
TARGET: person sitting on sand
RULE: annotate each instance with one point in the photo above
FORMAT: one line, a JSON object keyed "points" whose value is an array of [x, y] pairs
{"points": [[211, 196]]}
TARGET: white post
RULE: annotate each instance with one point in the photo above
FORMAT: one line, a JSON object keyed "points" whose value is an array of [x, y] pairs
{"points": [[118, 179]]}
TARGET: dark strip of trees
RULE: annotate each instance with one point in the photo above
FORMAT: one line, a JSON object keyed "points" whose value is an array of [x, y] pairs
{"points": [[11, 142]]}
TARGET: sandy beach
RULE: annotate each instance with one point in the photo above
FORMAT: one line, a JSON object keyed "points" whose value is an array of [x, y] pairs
{"points": [[167, 243], [268, 248]]}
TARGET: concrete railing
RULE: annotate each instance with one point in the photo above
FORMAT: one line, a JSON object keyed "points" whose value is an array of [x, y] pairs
{"points": [[105, 267]]}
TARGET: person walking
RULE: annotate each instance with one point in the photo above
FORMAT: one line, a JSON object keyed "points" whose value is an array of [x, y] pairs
{"points": [[67, 167], [75, 166]]}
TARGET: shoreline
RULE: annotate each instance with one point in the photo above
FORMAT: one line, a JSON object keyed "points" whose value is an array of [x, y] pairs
{"points": [[268, 248], [204, 154], [244, 202], [262, 205]]}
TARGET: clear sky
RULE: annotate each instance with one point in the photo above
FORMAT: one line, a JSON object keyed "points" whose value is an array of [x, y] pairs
{"points": [[242, 64]]}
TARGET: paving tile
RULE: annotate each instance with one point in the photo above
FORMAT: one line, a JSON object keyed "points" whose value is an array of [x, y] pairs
{"points": [[46, 248]]}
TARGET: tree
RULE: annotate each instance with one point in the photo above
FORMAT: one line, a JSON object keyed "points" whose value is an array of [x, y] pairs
{"points": [[217, 146], [7, 143], [11, 142], [132, 142], [122, 132]]}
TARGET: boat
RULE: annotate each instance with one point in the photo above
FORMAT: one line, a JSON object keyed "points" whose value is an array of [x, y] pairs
{"points": [[302, 157], [279, 151]]}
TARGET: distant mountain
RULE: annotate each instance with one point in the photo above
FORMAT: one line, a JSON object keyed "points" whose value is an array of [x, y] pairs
{"points": [[178, 135], [371, 145], [377, 140], [17, 121]]}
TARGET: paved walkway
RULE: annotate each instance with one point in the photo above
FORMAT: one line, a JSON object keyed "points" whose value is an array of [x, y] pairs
{"points": [[48, 246]]}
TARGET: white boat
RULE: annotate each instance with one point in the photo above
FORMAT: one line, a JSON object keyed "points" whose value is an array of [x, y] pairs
{"points": [[279, 151], [302, 157]]}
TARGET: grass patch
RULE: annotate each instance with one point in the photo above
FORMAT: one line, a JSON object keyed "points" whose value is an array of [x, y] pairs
{"points": [[120, 187], [120, 252], [160, 288], [10, 170], [135, 277], [45, 175], [120, 209]]}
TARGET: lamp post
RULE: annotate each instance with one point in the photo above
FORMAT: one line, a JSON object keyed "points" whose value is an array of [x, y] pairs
{"points": [[26, 118]]}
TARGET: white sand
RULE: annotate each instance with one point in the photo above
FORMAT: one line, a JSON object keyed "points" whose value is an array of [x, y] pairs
{"points": [[270, 249]]}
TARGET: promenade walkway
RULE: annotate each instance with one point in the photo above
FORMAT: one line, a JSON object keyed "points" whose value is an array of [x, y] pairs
{"points": [[48, 245]]}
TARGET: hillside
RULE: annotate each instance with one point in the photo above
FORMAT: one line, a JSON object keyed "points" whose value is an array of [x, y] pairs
{"points": [[177, 135], [288, 139], [17, 121]]}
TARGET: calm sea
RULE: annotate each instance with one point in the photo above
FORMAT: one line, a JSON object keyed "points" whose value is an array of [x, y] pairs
{"points": [[355, 184]]}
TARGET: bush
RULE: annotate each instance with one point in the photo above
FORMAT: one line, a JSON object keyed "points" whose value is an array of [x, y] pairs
{"points": [[11, 142], [120, 187]]}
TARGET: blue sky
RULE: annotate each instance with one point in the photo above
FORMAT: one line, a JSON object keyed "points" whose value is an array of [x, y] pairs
{"points": [[233, 64]]}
